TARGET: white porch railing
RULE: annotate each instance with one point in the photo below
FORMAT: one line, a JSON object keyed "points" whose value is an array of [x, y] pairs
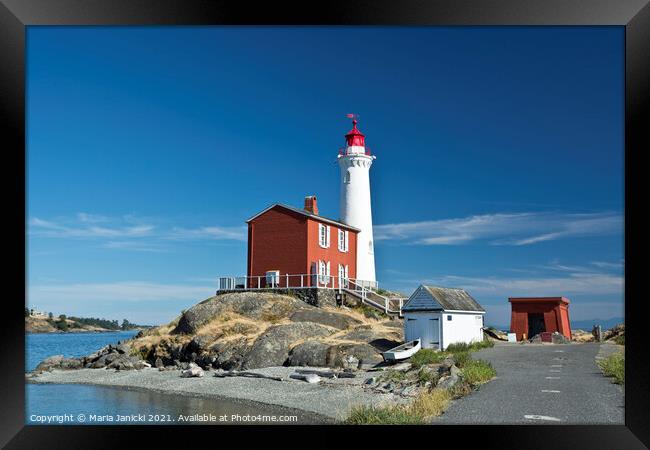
{"points": [[273, 281], [365, 290]]}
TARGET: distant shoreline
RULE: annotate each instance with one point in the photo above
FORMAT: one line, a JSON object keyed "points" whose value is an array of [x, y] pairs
{"points": [[80, 331]]}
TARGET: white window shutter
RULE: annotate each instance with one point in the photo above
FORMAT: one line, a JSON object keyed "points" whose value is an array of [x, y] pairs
{"points": [[346, 241], [328, 236]]}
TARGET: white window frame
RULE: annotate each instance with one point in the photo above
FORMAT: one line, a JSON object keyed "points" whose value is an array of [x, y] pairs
{"points": [[272, 278], [323, 235], [323, 272], [343, 275], [343, 241]]}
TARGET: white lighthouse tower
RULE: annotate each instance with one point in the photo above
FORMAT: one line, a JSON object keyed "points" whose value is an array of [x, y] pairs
{"points": [[355, 164]]}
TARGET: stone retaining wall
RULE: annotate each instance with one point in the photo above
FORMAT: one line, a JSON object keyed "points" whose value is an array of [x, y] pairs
{"points": [[314, 296]]}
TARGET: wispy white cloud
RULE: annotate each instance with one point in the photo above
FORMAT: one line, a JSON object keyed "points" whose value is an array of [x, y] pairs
{"points": [[217, 233], [503, 228], [572, 283], [91, 218], [135, 246], [127, 232], [608, 265], [84, 230]]}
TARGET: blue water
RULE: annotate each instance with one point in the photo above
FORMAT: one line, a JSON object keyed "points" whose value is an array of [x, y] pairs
{"points": [[65, 403], [40, 346]]}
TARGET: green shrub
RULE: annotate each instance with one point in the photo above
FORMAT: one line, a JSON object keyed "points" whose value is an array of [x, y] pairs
{"points": [[614, 366], [465, 347], [370, 312], [425, 376], [482, 344], [620, 340], [476, 372], [458, 347], [427, 356], [388, 415], [61, 325], [462, 358]]}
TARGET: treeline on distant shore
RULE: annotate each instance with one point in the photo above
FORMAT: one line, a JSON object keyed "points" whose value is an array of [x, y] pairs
{"points": [[62, 322], [105, 323]]}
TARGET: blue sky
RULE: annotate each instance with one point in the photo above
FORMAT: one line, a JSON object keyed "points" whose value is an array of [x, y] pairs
{"points": [[499, 158]]}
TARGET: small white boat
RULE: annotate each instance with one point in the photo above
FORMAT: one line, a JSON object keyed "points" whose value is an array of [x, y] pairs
{"points": [[402, 351]]}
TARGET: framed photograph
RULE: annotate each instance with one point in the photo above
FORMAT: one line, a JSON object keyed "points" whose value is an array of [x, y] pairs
{"points": [[268, 218]]}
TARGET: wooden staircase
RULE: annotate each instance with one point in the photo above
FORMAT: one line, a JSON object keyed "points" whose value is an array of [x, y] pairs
{"points": [[388, 305]]}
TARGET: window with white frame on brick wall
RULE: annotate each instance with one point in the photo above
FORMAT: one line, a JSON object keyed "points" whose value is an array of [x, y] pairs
{"points": [[323, 235]]}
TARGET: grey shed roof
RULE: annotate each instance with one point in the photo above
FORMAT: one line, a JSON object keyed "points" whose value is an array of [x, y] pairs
{"points": [[435, 298]]}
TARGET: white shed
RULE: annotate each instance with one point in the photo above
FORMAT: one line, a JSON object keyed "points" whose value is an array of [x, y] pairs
{"points": [[442, 316]]}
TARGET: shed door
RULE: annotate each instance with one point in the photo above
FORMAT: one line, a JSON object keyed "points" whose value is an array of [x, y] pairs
{"points": [[425, 327]]}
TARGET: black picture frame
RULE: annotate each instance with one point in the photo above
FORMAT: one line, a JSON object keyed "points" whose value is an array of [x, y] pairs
{"points": [[16, 15]]}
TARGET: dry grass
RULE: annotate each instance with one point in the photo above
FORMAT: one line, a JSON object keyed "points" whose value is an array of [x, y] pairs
{"points": [[231, 325], [426, 405], [430, 404]]}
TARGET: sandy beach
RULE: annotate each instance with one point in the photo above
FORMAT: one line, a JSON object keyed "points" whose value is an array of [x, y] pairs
{"points": [[331, 398]]}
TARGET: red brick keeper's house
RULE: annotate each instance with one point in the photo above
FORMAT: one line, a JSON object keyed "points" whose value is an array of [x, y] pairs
{"points": [[291, 247]]}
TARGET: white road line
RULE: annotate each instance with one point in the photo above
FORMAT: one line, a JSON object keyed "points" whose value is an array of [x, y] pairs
{"points": [[552, 378], [556, 365], [556, 371], [550, 391], [558, 351], [536, 417]]}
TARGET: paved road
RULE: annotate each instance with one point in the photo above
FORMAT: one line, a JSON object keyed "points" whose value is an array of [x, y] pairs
{"points": [[542, 384]]}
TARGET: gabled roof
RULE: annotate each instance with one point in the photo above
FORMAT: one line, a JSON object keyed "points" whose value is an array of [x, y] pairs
{"points": [[306, 213], [435, 298]]}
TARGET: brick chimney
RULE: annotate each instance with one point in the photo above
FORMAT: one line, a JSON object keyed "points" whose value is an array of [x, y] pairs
{"points": [[310, 204]]}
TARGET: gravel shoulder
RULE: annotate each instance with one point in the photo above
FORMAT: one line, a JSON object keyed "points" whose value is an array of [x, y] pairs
{"points": [[542, 384], [331, 398]]}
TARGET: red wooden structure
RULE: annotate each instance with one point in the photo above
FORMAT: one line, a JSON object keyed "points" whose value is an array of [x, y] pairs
{"points": [[535, 315]]}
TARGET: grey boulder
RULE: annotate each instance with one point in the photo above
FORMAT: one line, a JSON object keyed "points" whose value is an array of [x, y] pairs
{"points": [[330, 319], [309, 353], [273, 347]]}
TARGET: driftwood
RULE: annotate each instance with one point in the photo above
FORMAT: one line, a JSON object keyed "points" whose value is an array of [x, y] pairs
{"points": [[327, 373], [308, 377], [234, 373]]}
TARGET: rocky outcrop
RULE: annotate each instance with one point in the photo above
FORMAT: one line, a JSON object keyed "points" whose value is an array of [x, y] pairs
{"points": [[58, 362], [613, 333], [272, 348], [110, 357], [253, 305], [248, 330], [330, 319]]}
